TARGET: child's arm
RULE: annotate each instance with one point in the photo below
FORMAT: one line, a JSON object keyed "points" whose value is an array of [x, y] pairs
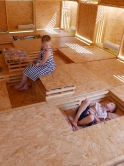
{"points": [[46, 56]]}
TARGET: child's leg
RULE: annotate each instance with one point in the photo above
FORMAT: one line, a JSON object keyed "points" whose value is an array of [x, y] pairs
{"points": [[82, 108], [87, 120], [23, 82]]}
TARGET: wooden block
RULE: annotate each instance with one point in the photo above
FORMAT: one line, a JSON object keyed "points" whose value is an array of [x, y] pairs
{"points": [[4, 97]]}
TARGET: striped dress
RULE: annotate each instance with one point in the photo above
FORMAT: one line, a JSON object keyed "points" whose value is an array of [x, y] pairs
{"points": [[34, 72]]}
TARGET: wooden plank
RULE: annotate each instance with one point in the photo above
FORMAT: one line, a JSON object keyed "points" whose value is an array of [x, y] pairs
{"points": [[4, 97], [48, 14], [79, 54]]}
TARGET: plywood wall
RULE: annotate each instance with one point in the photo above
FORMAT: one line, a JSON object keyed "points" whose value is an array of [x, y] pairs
{"points": [[48, 14], [114, 25], [109, 24], [113, 2], [87, 20], [3, 20], [74, 6], [19, 13]]}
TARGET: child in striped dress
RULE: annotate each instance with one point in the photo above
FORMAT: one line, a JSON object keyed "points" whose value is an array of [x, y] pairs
{"points": [[42, 66]]}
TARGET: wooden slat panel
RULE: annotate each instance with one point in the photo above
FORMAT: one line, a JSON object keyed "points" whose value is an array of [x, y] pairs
{"points": [[19, 13], [112, 2], [3, 20], [48, 14], [87, 20]]}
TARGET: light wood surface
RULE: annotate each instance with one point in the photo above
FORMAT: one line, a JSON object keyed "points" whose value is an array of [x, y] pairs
{"points": [[48, 14], [42, 130], [79, 54], [54, 33], [3, 19], [110, 71], [56, 42], [57, 79], [4, 97], [86, 81], [109, 27], [19, 13], [112, 2], [86, 20], [5, 38]]}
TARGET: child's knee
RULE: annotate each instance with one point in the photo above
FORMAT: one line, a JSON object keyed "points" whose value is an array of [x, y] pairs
{"points": [[87, 102], [91, 118]]}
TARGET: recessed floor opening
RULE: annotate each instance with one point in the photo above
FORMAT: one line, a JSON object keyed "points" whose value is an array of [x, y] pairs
{"points": [[69, 113]]}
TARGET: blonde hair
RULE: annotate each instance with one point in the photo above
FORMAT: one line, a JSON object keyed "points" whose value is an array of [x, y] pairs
{"points": [[45, 38]]}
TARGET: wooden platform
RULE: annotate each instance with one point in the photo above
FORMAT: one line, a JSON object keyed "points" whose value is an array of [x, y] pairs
{"points": [[77, 53], [57, 84], [110, 71], [4, 97], [42, 130], [56, 42], [86, 81]]}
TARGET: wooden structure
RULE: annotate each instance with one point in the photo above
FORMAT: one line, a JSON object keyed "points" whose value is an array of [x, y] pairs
{"points": [[36, 132]]}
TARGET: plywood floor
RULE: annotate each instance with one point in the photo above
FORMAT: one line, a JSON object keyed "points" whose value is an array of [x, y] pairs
{"points": [[39, 135], [111, 71], [77, 53]]}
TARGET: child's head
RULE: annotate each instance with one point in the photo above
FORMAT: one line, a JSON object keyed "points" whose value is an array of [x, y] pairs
{"points": [[110, 106], [46, 41]]}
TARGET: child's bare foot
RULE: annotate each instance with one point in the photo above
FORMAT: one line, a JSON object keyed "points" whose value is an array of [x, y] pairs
{"points": [[25, 87], [18, 87]]}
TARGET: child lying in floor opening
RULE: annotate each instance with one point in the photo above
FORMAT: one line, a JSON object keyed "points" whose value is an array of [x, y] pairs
{"points": [[88, 116]]}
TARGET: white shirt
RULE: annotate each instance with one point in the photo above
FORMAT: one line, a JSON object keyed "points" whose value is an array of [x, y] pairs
{"points": [[99, 111]]}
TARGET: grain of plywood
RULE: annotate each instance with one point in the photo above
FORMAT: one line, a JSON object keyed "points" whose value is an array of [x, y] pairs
{"points": [[3, 19], [5, 38], [114, 25], [79, 54], [4, 97], [86, 20], [57, 79], [28, 45], [48, 14], [112, 2], [19, 13], [113, 75], [99, 134], [118, 92], [48, 132], [86, 81]]}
